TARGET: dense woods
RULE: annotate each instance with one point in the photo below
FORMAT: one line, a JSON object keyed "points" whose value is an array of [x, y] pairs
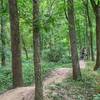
{"points": [[41, 37]]}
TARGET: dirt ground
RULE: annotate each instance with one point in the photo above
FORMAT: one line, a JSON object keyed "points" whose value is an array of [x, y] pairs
{"points": [[27, 93]]}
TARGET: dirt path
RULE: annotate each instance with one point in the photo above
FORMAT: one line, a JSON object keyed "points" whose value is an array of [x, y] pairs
{"points": [[27, 93]]}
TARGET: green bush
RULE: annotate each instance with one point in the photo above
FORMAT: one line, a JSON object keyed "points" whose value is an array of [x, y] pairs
{"points": [[58, 54], [65, 59], [54, 55], [5, 78], [28, 72]]}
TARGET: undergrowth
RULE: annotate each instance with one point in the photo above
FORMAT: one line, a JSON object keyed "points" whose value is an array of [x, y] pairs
{"points": [[85, 89], [28, 73]]}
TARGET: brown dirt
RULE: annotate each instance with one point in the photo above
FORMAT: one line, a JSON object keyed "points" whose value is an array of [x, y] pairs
{"points": [[27, 93]]}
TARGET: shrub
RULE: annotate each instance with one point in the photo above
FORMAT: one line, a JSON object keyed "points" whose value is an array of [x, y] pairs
{"points": [[58, 54], [5, 78], [54, 55]]}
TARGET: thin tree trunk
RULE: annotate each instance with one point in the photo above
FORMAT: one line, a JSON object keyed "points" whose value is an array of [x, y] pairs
{"points": [[3, 62], [79, 37], [96, 9], [85, 3], [72, 35], [90, 31], [87, 36], [24, 47], [97, 37], [36, 42], [15, 44]]}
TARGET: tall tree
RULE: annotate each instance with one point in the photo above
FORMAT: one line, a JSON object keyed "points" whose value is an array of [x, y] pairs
{"points": [[90, 34], [36, 42], [90, 30], [2, 35], [15, 44], [73, 40], [96, 8], [86, 35]]}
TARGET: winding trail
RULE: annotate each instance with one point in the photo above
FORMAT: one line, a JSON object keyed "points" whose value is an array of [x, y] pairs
{"points": [[27, 93]]}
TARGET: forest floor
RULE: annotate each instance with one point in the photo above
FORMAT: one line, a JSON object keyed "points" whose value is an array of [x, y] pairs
{"points": [[27, 93]]}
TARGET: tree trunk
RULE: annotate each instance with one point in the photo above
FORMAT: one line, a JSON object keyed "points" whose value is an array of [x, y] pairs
{"points": [[73, 41], [79, 37], [97, 37], [85, 3], [24, 47], [90, 31], [36, 42], [87, 37], [90, 43], [15, 44], [3, 62]]}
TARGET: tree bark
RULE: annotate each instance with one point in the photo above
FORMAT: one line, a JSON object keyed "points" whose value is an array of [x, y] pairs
{"points": [[3, 58], [79, 36], [15, 44], [97, 37], [90, 31], [87, 37], [96, 9], [36, 42], [72, 35], [85, 3]]}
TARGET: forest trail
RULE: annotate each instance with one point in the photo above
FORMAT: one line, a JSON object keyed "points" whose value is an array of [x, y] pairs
{"points": [[27, 93]]}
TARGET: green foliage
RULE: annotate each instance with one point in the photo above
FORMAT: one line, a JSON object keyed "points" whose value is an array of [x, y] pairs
{"points": [[57, 50], [28, 72], [65, 59], [54, 55], [58, 55], [5, 78]]}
